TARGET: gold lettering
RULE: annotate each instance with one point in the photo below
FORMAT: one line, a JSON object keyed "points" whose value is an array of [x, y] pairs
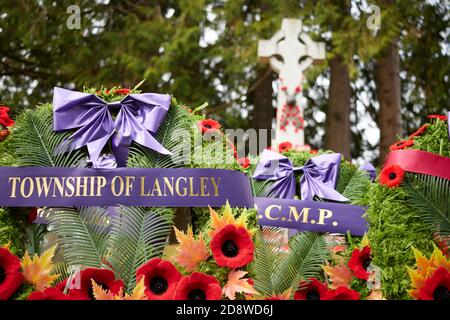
{"points": [[129, 180], [30, 189], [143, 194], [177, 187], [113, 186], [101, 183], [70, 185], [14, 186], [42, 187], [168, 185], [191, 187], [203, 187], [293, 212], [81, 186], [324, 214], [268, 210], [215, 185], [157, 188]]}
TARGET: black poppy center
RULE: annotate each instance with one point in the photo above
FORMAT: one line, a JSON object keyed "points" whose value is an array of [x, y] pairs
{"points": [[91, 290], [312, 295], [207, 126], [230, 249], [158, 285], [392, 175], [197, 294], [2, 275], [441, 293], [366, 263]]}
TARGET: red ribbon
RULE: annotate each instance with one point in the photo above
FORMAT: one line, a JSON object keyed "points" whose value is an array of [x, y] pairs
{"points": [[419, 161]]}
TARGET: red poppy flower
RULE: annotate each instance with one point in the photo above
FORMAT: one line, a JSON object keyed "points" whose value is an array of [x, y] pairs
{"points": [[123, 91], [402, 144], [284, 146], [342, 293], [49, 294], [244, 162], [161, 279], [5, 120], [232, 147], [198, 286], [419, 131], [3, 134], [312, 290], [232, 247], [437, 116], [437, 287], [104, 278], [314, 151], [32, 215], [208, 124], [359, 262], [10, 277], [4, 109], [392, 175]]}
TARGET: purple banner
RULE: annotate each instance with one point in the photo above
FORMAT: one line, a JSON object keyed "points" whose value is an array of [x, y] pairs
{"points": [[149, 187], [306, 215]]}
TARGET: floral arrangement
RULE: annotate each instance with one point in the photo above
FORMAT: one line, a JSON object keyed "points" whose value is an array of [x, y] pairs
{"points": [[409, 210]]}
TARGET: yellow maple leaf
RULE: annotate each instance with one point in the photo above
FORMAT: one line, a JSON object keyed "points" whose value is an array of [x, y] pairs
{"points": [[375, 295], [227, 217], [7, 246], [340, 275], [37, 271], [365, 241], [103, 294], [190, 252], [236, 284]]}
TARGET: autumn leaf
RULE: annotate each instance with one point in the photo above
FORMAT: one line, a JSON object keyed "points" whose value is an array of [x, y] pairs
{"points": [[364, 241], [236, 284], [190, 252], [37, 271], [103, 294], [138, 292], [375, 295], [340, 275]]}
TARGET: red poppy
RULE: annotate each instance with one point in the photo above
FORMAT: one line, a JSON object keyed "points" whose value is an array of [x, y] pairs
{"points": [[32, 215], [232, 147], [284, 146], [359, 262], [437, 287], [198, 286], [314, 151], [437, 116], [392, 175], [312, 290], [5, 120], [161, 279], [244, 162], [342, 293], [419, 131], [402, 144], [49, 294], [3, 134], [232, 247], [10, 277], [208, 124], [123, 91], [104, 278]]}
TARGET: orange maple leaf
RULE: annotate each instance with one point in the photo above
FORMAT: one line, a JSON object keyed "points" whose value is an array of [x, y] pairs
{"points": [[103, 294], [226, 218], [37, 271], [340, 275], [236, 284], [190, 252]]}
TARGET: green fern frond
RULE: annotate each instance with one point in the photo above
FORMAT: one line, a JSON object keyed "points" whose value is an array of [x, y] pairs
{"points": [[172, 135], [430, 195], [138, 235], [82, 234], [261, 188], [307, 253], [35, 235], [268, 255], [356, 189], [346, 173], [35, 141], [62, 269]]}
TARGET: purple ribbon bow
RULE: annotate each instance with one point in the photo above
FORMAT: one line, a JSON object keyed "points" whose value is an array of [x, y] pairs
{"points": [[139, 116], [318, 179], [370, 169]]}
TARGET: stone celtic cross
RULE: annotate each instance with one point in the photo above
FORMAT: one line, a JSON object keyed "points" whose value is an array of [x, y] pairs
{"points": [[290, 52]]}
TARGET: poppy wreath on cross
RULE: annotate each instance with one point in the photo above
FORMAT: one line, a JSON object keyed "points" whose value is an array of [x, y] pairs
{"points": [[116, 252], [409, 215]]}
